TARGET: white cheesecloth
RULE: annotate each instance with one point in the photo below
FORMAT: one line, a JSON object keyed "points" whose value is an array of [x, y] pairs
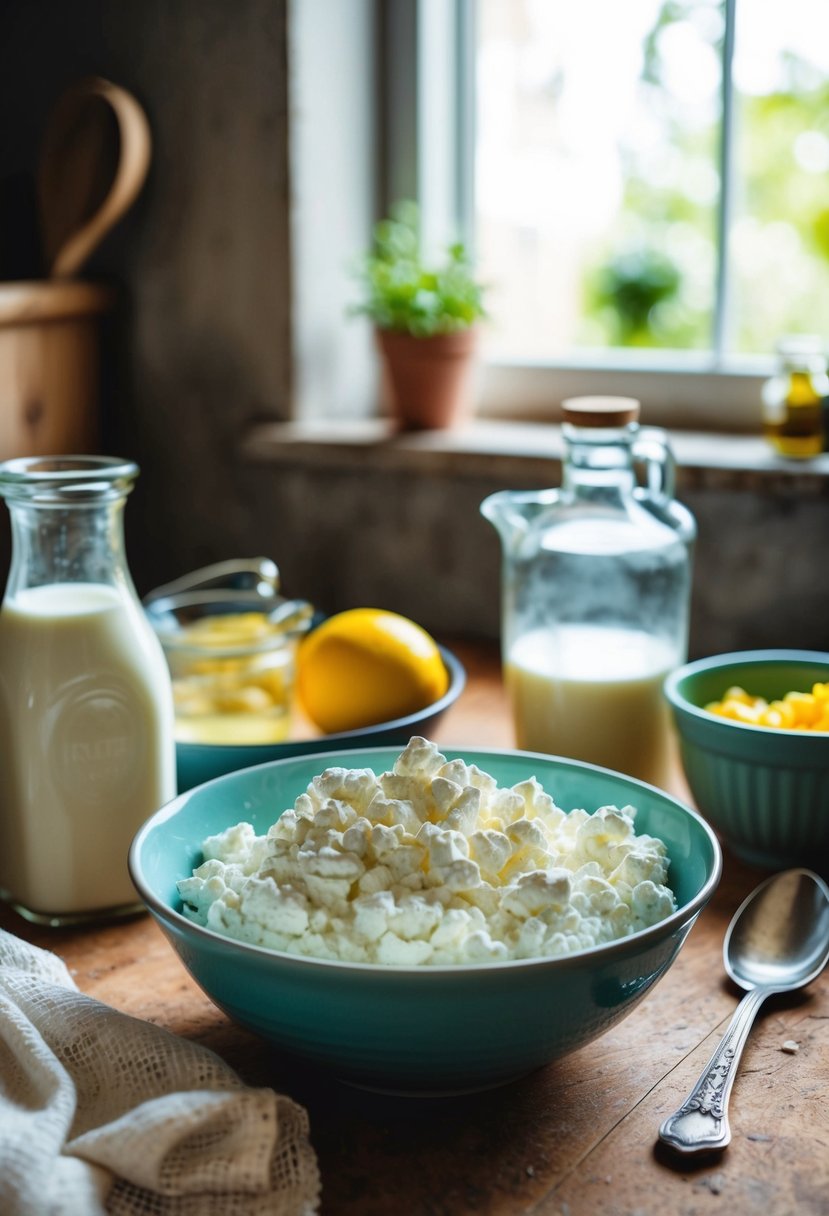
{"points": [[104, 1113]]}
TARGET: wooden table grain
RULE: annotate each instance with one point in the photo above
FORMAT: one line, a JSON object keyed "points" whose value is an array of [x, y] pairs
{"points": [[577, 1138]]}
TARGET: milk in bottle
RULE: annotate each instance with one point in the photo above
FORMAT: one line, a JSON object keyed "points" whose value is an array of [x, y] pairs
{"points": [[86, 717]]}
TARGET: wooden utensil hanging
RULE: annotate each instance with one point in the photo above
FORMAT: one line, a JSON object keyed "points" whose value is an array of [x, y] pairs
{"points": [[94, 159]]}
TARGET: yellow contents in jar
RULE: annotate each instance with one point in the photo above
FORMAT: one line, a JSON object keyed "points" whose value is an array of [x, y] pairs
{"points": [[242, 693], [793, 399], [795, 711]]}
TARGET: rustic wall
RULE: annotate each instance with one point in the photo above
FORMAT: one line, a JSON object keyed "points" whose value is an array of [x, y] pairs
{"points": [[202, 342], [401, 528]]}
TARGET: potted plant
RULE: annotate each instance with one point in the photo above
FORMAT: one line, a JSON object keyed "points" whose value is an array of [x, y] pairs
{"points": [[425, 321]]}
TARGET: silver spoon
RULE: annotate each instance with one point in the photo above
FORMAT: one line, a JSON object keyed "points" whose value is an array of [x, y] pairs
{"points": [[778, 941]]}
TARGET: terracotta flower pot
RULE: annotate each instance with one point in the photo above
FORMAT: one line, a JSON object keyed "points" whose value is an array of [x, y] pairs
{"points": [[429, 379]]}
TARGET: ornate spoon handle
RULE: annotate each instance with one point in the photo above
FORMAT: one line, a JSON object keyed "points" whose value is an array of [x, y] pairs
{"points": [[701, 1123]]}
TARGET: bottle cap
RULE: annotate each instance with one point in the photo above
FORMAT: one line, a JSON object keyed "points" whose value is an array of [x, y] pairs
{"points": [[600, 411], [802, 352]]}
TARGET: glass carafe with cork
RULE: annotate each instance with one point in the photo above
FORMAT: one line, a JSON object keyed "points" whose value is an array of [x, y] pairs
{"points": [[596, 583]]}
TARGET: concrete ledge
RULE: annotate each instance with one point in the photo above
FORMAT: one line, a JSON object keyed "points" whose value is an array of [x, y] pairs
{"points": [[528, 451]]}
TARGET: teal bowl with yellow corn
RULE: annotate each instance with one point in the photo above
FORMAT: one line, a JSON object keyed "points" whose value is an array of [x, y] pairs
{"points": [[753, 732]]}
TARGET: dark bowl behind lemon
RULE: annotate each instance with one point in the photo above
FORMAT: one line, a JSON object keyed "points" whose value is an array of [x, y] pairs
{"points": [[233, 658], [428, 1028], [765, 789], [199, 762]]}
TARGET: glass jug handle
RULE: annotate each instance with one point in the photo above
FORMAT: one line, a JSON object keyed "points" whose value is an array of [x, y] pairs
{"points": [[247, 576], [652, 449]]}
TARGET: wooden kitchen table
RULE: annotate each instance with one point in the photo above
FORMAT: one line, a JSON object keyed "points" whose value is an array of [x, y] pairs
{"points": [[576, 1138]]}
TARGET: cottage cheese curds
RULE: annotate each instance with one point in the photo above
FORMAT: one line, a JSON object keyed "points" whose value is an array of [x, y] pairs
{"points": [[430, 863]]}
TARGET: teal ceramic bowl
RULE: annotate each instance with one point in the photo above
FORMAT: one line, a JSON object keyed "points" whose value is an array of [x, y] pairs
{"points": [[765, 790], [436, 1029], [200, 762]]}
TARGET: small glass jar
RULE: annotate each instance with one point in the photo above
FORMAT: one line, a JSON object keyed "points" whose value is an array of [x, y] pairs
{"points": [[86, 710], [232, 658], [794, 398]]}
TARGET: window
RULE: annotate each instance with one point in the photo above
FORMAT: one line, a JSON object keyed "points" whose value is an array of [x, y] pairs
{"points": [[645, 188]]}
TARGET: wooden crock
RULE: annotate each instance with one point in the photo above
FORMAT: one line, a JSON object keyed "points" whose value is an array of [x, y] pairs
{"points": [[50, 367]]}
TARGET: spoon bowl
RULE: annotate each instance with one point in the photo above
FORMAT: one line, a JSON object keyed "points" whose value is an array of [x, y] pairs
{"points": [[779, 936], [778, 941]]}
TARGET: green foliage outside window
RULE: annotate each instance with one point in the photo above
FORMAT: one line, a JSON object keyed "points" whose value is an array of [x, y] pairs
{"points": [[641, 290]]}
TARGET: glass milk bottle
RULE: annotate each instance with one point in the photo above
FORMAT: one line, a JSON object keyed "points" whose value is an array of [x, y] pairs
{"points": [[86, 710], [596, 594]]}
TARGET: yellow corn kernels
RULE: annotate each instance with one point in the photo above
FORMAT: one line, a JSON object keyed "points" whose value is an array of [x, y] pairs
{"points": [[796, 711]]}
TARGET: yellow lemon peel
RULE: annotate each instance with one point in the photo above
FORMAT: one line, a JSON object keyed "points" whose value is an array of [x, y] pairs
{"points": [[367, 665]]}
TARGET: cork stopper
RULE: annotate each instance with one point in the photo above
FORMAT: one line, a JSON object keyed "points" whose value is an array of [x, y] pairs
{"points": [[606, 412]]}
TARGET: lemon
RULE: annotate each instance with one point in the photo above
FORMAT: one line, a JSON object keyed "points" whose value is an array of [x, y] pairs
{"points": [[367, 665]]}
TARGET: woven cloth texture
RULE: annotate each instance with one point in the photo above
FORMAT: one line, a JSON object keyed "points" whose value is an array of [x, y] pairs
{"points": [[104, 1113]]}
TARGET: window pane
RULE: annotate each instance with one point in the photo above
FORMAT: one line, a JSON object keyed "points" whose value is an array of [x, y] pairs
{"points": [[779, 246], [596, 173]]}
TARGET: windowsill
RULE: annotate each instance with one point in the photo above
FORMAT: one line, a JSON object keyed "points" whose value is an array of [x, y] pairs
{"points": [[487, 447]]}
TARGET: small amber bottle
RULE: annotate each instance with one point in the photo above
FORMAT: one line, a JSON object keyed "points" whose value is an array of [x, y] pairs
{"points": [[793, 399]]}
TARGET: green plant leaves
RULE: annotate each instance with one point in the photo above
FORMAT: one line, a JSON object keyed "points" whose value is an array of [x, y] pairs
{"points": [[401, 293]]}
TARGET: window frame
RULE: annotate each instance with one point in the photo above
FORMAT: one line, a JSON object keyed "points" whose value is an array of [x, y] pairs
{"points": [[424, 94]]}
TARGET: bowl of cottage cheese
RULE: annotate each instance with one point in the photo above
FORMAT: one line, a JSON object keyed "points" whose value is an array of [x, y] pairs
{"points": [[423, 919]]}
